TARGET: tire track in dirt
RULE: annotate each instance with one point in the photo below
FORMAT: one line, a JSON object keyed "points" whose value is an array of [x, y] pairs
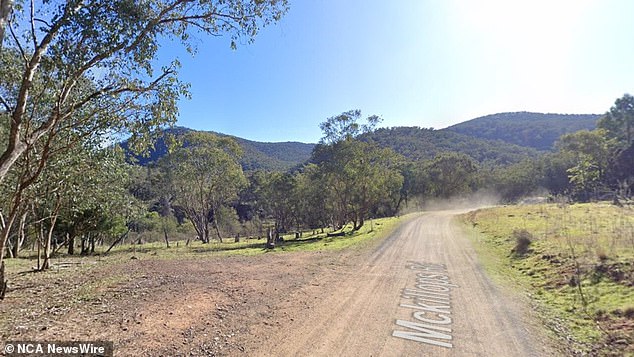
{"points": [[359, 302], [330, 303]]}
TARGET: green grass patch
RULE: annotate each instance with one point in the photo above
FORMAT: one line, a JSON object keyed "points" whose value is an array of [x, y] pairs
{"points": [[372, 231], [576, 262]]}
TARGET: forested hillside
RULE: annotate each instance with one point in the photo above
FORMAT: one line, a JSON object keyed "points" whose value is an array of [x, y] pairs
{"points": [[535, 130], [412, 142], [273, 156], [424, 144], [256, 155]]}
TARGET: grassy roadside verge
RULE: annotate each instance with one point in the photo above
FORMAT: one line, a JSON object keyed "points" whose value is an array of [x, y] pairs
{"points": [[575, 262], [372, 231]]}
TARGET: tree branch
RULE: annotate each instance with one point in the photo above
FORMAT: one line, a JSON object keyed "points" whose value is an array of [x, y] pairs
{"points": [[6, 105], [32, 23], [17, 42]]}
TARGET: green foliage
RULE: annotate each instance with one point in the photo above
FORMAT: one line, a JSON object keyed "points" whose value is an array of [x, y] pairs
{"points": [[515, 181], [554, 172], [418, 144], [618, 122], [345, 126], [359, 177], [585, 178], [74, 73], [590, 144], [256, 155], [95, 199], [273, 156], [203, 176], [312, 206], [277, 198], [451, 174], [534, 130], [591, 155]]}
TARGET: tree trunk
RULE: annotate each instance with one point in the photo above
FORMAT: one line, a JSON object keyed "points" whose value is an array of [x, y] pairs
{"points": [[92, 240], [218, 232], [270, 239], [20, 237], [49, 236], [359, 224], [5, 227], [40, 239], [47, 246], [121, 238], [10, 156], [3, 283], [207, 239], [10, 248], [71, 244], [167, 241], [83, 245]]}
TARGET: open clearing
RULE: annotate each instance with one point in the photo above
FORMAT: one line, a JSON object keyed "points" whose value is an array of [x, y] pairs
{"points": [[421, 291]]}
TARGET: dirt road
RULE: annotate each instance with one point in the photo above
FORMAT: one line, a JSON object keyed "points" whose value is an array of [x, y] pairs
{"points": [[422, 292]]}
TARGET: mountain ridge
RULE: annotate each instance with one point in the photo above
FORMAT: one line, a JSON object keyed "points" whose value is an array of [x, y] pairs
{"points": [[498, 139], [530, 129], [275, 156]]}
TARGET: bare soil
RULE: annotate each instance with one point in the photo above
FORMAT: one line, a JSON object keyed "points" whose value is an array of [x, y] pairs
{"points": [[329, 303]]}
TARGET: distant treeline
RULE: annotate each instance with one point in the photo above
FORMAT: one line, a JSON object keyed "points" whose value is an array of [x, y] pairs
{"points": [[198, 184]]}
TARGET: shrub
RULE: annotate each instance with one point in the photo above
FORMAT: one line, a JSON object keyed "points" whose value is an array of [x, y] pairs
{"points": [[523, 240]]}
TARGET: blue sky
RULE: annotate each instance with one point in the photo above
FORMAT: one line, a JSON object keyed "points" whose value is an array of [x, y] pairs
{"points": [[428, 63]]}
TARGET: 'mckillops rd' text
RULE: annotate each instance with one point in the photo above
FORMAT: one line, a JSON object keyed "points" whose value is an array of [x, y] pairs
{"points": [[430, 304]]}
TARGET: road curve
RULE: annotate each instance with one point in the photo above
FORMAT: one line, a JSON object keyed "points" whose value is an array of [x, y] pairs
{"points": [[421, 292]]}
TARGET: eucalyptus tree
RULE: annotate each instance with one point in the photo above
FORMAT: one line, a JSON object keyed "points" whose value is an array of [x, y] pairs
{"points": [[310, 188], [95, 199], [618, 122], [98, 62], [451, 174], [276, 195], [358, 175], [205, 176], [514, 181], [591, 156], [553, 169], [346, 126], [91, 69], [72, 189]]}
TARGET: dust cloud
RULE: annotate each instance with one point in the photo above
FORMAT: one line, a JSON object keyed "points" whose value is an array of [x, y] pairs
{"points": [[480, 199]]}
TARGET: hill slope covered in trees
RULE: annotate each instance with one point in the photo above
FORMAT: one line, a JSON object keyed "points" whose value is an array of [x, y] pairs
{"points": [[498, 139], [535, 130], [423, 144], [256, 155]]}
